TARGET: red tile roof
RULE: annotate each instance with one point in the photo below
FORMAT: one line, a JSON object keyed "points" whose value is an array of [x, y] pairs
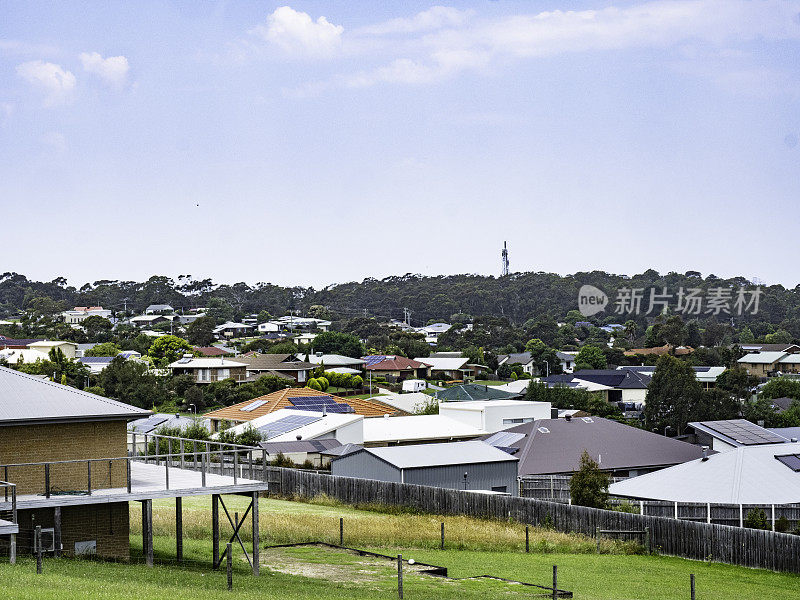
{"points": [[396, 363]]}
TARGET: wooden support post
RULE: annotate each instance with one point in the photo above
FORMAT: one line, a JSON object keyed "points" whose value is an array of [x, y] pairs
{"points": [[128, 474], [441, 544], [147, 531], [215, 529], [146, 448], [708, 512], [38, 542], [235, 467], [57, 531], [647, 540], [527, 539], [341, 531], [641, 507], [47, 480], [183, 457], [400, 576], [264, 462], [179, 528], [691, 584], [203, 469], [133, 443], [229, 553], [250, 465], [555, 582], [256, 535], [12, 549], [676, 510]]}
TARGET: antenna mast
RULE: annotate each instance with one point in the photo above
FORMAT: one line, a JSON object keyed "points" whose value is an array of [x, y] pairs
{"points": [[504, 255]]}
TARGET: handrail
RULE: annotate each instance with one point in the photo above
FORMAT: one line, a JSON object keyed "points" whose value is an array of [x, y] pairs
{"points": [[172, 437], [6, 485]]}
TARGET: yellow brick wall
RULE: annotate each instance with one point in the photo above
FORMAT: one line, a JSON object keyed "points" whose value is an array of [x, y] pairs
{"points": [[107, 524], [43, 443]]}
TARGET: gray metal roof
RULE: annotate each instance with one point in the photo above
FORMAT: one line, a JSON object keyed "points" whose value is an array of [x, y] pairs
{"points": [[738, 432], [435, 455], [555, 446], [25, 399], [318, 446]]}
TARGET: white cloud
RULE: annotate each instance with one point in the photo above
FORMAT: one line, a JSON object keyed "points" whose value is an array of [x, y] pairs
{"points": [[297, 34], [57, 82], [113, 70], [435, 17]]}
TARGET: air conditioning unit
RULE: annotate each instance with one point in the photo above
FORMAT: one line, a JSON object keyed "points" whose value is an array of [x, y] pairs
{"points": [[48, 540]]}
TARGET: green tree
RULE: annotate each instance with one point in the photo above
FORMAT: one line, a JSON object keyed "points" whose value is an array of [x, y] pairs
{"points": [[738, 382], [746, 336], [200, 332], [334, 342], [104, 349], [673, 395], [589, 485], [313, 384], [590, 357], [779, 337], [97, 328], [169, 348], [781, 387]]}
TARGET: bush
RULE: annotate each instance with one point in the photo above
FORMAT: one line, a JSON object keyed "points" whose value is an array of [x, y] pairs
{"points": [[356, 382], [589, 485], [756, 519], [323, 383], [314, 384], [782, 525]]}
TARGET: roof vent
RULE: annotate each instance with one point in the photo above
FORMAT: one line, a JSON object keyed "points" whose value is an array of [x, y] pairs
{"points": [[299, 437], [705, 453], [587, 419], [543, 430], [794, 439], [568, 418]]}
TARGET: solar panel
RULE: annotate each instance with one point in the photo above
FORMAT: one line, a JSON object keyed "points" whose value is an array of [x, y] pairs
{"points": [[286, 424], [374, 360], [253, 405], [184, 360], [320, 404], [744, 432], [149, 424], [790, 460]]}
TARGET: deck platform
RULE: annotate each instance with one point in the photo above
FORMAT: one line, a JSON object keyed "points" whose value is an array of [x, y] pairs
{"points": [[7, 527], [148, 482]]}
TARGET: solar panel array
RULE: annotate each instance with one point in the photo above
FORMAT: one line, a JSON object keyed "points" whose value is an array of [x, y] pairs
{"points": [[791, 460], [286, 424], [151, 423], [374, 360], [320, 403], [744, 432], [253, 405], [504, 439]]}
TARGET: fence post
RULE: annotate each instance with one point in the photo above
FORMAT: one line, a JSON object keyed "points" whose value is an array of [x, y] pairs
{"points": [[38, 549], [708, 512], [442, 544], [773, 517], [647, 539], [400, 576], [527, 539], [691, 584], [341, 531], [597, 538], [741, 515], [229, 551], [555, 582], [264, 466], [641, 507], [676, 511]]}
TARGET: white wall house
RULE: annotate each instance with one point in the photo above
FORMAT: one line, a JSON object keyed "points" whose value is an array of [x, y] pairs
{"points": [[494, 415]]}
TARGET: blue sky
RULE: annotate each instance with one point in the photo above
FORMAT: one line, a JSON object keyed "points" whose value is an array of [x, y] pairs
{"points": [[323, 142]]}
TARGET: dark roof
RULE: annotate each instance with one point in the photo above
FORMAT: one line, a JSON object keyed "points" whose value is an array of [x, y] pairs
{"points": [[616, 378], [738, 432], [782, 404], [522, 358], [769, 347], [99, 360], [342, 450], [474, 391], [28, 400], [273, 362], [17, 343], [555, 446], [318, 446]]}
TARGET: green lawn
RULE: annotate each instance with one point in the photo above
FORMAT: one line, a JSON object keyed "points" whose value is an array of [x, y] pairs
{"points": [[475, 547]]}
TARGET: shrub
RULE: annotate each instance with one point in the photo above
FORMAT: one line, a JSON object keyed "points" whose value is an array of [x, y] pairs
{"points": [[782, 525], [589, 485], [356, 381], [756, 519], [314, 384], [323, 383]]}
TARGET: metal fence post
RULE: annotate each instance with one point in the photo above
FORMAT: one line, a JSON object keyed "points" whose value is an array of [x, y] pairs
{"points": [[555, 582], [527, 539], [229, 551], [441, 546], [400, 576], [38, 539], [341, 531]]}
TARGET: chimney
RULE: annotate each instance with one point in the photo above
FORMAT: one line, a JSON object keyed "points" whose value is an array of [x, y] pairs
{"points": [[568, 418], [705, 453]]}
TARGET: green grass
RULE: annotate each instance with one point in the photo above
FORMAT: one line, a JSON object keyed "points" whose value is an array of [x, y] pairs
{"points": [[475, 547]]}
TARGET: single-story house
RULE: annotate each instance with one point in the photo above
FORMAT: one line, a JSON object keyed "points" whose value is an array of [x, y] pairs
{"points": [[299, 451], [289, 424], [452, 368], [616, 385], [396, 367], [156, 309], [332, 360], [555, 446], [764, 364], [207, 370], [471, 465], [232, 330], [707, 376], [725, 435], [281, 365], [567, 360], [524, 359], [149, 320]]}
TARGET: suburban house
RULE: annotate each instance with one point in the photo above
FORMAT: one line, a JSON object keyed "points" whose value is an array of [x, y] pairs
{"points": [[752, 474], [470, 465], [518, 358], [149, 320], [79, 314], [159, 309], [317, 451], [616, 385], [16, 344], [396, 367], [768, 363], [38, 350], [304, 338], [292, 323], [554, 447], [494, 415], [433, 331], [210, 351], [451, 368], [97, 364], [474, 391], [299, 399], [730, 434], [207, 370], [280, 365], [757, 347], [707, 376], [660, 351], [330, 361], [567, 360], [232, 330], [290, 424]]}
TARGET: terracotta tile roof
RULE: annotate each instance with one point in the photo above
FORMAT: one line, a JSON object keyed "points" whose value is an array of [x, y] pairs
{"points": [[395, 363], [280, 399]]}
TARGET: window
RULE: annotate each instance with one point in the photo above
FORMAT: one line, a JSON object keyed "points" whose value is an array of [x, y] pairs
{"points": [[500, 488], [790, 460]]}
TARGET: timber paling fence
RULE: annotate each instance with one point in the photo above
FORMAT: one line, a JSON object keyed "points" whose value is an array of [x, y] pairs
{"points": [[555, 488], [688, 539]]}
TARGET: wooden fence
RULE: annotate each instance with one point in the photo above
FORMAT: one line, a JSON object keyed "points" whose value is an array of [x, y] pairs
{"points": [[689, 539]]}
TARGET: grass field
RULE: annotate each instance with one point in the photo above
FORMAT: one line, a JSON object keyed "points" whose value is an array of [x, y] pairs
{"points": [[475, 547]]}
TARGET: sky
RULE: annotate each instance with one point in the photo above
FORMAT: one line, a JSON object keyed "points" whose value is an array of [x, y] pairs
{"points": [[324, 142]]}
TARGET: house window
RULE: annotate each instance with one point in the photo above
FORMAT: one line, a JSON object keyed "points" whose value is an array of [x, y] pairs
{"points": [[500, 488]]}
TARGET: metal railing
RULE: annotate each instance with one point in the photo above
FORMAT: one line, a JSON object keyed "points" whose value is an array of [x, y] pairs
{"points": [[205, 457], [10, 489]]}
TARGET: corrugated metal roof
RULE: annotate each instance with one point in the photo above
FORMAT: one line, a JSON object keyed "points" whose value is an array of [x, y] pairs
{"points": [[745, 475], [25, 399], [434, 455], [762, 358]]}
